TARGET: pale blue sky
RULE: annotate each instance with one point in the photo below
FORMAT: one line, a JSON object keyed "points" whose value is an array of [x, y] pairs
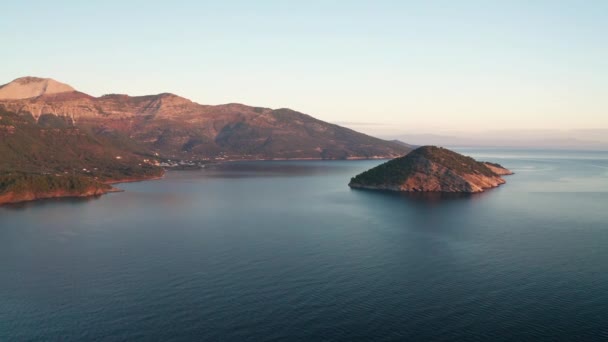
{"points": [[408, 65]]}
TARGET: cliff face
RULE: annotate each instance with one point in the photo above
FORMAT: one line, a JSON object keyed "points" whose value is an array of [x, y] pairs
{"points": [[432, 169]]}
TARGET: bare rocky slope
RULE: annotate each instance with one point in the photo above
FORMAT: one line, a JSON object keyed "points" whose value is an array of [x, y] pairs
{"points": [[175, 127], [432, 169]]}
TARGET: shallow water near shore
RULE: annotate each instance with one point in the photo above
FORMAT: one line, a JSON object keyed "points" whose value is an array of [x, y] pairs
{"points": [[284, 250]]}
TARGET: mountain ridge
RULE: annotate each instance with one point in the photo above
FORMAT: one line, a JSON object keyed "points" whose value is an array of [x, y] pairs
{"points": [[178, 128]]}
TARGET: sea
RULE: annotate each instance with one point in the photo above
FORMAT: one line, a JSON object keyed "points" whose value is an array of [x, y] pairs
{"points": [[286, 251]]}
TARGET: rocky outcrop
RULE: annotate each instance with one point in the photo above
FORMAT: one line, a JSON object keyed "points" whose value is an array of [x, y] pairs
{"points": [[432, 169]]}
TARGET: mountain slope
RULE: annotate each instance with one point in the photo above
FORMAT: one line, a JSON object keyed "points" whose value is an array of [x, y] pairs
{"points": [[432, 169], [178, 128], [53, 158]]}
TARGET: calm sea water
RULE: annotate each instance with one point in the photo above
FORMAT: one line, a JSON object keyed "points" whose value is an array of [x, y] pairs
{"points": [[285, 251]]}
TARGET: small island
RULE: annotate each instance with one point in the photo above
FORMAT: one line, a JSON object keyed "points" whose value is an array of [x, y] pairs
{"points": [[432, 169]]}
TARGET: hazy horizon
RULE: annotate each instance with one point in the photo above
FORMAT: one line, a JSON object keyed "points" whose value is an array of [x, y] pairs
{"points": [[412, 68], [585, 139]]}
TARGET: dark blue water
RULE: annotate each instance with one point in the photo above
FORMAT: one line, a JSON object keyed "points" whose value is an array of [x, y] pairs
{"points": [[285, 251]]}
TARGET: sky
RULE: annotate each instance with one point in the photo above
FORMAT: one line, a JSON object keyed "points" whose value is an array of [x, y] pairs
{"points": [[376, 66]]}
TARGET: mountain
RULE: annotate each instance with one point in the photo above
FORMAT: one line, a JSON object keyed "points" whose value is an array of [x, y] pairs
{"points": [[56, 141], [177, 128], [432, 169]]}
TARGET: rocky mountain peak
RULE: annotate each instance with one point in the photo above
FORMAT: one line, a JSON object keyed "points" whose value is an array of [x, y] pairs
{"points": [[28, 87]]}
